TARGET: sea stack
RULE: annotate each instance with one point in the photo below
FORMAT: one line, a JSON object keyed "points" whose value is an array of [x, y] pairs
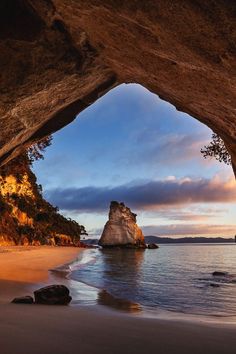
{"points": [[121, 229]]}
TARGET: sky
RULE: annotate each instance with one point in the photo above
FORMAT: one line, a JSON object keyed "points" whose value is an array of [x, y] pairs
{"points": [[133, 147]]}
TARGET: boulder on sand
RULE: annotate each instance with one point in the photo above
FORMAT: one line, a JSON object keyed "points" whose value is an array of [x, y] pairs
{"points": [[53, 295]]}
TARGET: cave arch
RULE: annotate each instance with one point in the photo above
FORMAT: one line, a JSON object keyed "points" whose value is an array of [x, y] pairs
{"points": [[182, 51]]}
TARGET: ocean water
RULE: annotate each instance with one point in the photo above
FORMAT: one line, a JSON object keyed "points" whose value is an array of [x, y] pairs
{"points": [[174, 278]]}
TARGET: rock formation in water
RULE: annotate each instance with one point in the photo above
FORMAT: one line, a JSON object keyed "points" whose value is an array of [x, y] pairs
{"points": [[25, 217], [59, 56], [121, 229]]}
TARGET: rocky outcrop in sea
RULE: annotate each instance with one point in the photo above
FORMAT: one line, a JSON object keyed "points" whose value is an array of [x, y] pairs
{"points": [[121, 229]]}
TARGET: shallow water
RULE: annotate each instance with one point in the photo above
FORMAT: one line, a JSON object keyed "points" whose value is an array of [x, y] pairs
{"points": [[174, 277]]}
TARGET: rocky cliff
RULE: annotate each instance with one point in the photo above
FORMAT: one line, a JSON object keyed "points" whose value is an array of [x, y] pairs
{"points": [[25, 217], [59, 56], [121, 229]]}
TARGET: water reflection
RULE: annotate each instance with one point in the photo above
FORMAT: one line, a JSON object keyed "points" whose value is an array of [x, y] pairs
{"points": [[122, 267], [176, 278], [122, 270], [106, 299]]}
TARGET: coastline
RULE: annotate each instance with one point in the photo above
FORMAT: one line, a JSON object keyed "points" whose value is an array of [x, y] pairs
{"points": [[90, 329], [23, 269], [106, 302]]}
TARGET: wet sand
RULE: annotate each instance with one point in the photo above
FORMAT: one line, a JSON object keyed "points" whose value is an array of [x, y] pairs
{"points": [[38, 329], [22, 269]]}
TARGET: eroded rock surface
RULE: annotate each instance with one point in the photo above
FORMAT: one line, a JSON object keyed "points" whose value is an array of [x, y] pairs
{"points": [[58, 56], [121, 229]]}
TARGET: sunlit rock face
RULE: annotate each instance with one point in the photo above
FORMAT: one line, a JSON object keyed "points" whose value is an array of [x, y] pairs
{"points": [[25, 217], [10, 185], [121, 229], [76, 50]]}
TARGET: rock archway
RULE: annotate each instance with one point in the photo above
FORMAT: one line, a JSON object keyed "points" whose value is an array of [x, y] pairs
{"points": [[58, 56]]}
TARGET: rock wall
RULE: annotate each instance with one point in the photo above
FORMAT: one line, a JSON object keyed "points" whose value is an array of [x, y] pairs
{"points": [[121, 229], [77, 50], [25, 217], [10, 185]]}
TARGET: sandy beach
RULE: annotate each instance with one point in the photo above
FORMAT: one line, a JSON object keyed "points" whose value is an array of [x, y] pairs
{"points": [[23, 269], [38, 329]]}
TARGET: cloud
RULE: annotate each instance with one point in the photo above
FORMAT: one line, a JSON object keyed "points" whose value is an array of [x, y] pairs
{"points": [[149, 195], [176, 148], [185, 214], [189, 230], [167, 149]]}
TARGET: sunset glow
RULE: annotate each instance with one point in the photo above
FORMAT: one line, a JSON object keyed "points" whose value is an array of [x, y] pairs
{"points": [[109, 153]]}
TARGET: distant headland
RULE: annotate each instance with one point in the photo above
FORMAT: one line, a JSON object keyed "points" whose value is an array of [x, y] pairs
{"points": [[159, 239], [171, 240]]}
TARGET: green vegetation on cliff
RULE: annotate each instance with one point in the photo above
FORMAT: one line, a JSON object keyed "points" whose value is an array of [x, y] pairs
{"points": [[25, 216]]}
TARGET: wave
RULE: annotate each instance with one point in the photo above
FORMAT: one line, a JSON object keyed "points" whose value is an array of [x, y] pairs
{"points": [[87, 257]]}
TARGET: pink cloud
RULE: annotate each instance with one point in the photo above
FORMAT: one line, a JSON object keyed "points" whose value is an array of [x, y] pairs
{"points": [[150, 195], [190, 230]]}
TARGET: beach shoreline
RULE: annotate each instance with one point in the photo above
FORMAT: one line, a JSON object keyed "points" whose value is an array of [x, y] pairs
{"points": [[23, 269], [89, 329]]}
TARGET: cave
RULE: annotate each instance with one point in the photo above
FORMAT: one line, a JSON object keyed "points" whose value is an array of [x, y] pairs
{"points": [[16, 18], [58, 57]]}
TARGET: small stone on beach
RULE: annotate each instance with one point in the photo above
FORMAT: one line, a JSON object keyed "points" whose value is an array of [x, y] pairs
{"points": [[23, 300]]}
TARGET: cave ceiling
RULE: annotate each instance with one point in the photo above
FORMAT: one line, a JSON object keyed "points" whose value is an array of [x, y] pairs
{"points": [[57, 57]]}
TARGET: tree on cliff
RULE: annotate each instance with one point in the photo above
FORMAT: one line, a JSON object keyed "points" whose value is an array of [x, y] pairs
{"points": [[20, 164], [217, 149], [35, 152]]}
